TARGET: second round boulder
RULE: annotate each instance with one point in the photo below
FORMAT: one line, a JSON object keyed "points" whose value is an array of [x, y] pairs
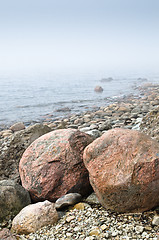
{"points": [[123, 168]]}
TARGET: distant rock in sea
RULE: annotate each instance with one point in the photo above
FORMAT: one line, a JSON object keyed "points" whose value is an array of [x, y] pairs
{"points": [[98, 89], [65, 109], [109, 79]]}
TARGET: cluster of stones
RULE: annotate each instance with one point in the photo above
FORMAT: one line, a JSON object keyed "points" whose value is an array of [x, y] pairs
{"points": [[150, 124], [125, 112], [59, 162], [86, 220], [90, 223]]}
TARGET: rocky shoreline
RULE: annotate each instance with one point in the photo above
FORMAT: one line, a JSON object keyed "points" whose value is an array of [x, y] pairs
{"points": [[90, 220], [125, 112]]}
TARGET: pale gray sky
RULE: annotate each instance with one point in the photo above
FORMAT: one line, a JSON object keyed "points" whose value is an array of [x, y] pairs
{"points": [[82, 35]]}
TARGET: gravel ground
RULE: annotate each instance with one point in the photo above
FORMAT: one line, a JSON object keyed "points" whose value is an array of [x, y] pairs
{"points": [[95, 222]]}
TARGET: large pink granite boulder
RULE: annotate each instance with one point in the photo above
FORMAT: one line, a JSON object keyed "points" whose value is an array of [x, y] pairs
{"points": [[53, 165], [123, 168]]}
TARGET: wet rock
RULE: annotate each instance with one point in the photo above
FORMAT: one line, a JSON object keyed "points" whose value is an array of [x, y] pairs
{"points": [[118, 162], [67, 200], [53, 165], [13, 147], [13, 197], [35, 216]]}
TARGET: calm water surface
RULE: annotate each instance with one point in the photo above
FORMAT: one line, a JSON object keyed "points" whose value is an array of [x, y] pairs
{"points": [[30, 97]]}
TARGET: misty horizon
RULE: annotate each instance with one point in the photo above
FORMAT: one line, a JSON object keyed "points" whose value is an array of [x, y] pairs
{"points": [[105, 37]]}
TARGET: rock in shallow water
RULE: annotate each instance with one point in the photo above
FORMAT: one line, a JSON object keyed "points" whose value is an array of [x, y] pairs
{"points": [[53, 165], [123, 168], [98, 89]]}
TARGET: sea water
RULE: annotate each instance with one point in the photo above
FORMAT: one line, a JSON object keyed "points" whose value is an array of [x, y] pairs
{"points": [[32, 97]]}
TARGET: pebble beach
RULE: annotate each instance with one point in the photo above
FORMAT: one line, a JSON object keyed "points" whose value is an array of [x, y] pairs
{"points": [[95, 222], [89, 220], [124, 112]]}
